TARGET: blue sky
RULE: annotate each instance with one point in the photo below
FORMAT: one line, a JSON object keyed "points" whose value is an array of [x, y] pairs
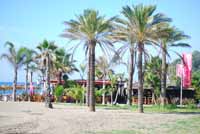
{"points": [[27, 23]]}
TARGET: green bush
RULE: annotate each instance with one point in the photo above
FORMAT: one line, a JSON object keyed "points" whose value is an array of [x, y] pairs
{"points": [[58, 92], [190, 103], [170, 106], [69, 84], [98, 93], [192, 106], [77, 92]]}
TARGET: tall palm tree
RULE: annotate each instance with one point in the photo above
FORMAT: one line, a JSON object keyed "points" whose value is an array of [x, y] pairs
{"points": [[16, 58], [145, 25], [91, 29], [125, 33], [28, 60], [32, 68], [47, 57], [172, 40]]}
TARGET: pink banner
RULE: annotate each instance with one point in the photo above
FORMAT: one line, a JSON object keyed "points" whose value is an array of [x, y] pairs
{"points": [[187, 69]]}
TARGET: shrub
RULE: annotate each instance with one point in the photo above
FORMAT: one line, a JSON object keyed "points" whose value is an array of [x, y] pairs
{"points": [[190, 103], [170, 106], [98, 93], [76, 92], [70, 83], [58, 92]]}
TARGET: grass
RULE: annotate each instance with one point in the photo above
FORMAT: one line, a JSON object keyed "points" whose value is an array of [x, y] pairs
{"points": [[186, 126], [152, 108], [189, 126], [147, 108], [170, 109], [117, 132], [181, 126]]}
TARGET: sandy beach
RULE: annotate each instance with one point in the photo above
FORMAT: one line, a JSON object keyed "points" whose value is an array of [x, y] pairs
{"points": [[31, 117]]}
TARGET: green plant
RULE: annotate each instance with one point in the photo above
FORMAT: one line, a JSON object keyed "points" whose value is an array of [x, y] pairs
{"points": [[196, 83], [170, 106], [69, 83], [98, 93], [77, 92], [58, 92], [152, 76], [190, 103]]}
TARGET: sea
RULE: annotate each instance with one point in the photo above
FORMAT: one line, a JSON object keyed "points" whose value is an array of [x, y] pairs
{"points": [[18, 91]]}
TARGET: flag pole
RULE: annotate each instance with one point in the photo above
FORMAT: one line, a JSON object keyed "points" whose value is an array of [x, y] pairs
{"points": [[181, 91]]}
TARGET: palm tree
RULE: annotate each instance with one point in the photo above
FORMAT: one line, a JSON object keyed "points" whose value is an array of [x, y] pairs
{"points": [[125, 33], [113, 81], [172, 40], [91, 29], [63, 64], [153, 76], [47, 57], [103, 66], [145, 25], [32, 68], [82, 69], [16, 58], [28, 59]]}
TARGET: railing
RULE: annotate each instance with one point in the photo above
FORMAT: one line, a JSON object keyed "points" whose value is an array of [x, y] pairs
{"points": [[146, 100]]}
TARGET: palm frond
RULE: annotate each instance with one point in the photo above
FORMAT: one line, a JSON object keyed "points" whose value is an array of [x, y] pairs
{"points": [[180, 45], [11, 48], [8, 57]]}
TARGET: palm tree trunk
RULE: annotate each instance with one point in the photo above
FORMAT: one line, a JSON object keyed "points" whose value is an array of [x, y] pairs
{"points": [[88, 81], [26, 82], [31, 78], [103, 95], [140, 78], [163, 76], [31, 81], [92, 76], [14, 84], [130, 82], [111, 97], [48, 97]]}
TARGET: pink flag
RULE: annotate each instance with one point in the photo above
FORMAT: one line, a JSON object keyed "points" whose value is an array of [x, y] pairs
{"points": [[187, 62], [31, 88]]}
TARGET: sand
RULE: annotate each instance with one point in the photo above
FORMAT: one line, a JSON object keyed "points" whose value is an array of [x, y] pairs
{"points": [[32, 117]]}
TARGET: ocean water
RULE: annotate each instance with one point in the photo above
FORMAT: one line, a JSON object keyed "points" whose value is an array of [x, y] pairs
{"points": [[11, 83], [18, 91]]}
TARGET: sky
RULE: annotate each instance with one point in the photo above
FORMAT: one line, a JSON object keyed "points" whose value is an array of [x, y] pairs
{"points": [[29, 22]]}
